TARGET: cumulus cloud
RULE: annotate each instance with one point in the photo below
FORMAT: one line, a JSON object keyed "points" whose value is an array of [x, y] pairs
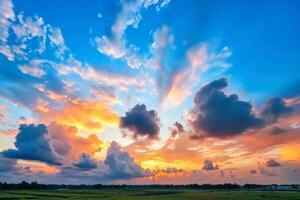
{"points": [[86, 162], [33, 143], [69, 144], [220, 115], [141, 122], [121, 165], [209, 165], [275, 108], [7, 164], [272, 163], [118, 165]]}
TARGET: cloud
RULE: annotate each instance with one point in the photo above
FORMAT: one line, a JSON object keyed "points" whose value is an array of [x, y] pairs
{"points": [[159, 3], [272, 163], [24, 36], [176, 78], [100, 76], [171, 170], [141, 122], [69, 145], [185, 79], [209, 165], [253, 171], [86, 162], [33, 69], [121, 165], [115, 44], [86, 116], [220, 115], [29, 28], [57, 41], [274, 108], [163, 42], [7, 164], [33, 143], [118, 165], [176, 129], [277, 130], [7, 15], [3, 114]]}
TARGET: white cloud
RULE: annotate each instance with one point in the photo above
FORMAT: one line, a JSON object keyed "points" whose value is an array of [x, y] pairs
{"points": [[33, 68], [7, 15], [199, 61], [162, 41], [184, 81], [26, 28], [164, 3], [116, 45], [57, 40]]}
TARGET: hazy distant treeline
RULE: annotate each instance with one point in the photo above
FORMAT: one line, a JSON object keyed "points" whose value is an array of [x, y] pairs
{"points": [[226, 186]]}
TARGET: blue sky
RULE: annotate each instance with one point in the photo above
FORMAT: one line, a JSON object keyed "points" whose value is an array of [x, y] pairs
{"points": [[60, 59]]}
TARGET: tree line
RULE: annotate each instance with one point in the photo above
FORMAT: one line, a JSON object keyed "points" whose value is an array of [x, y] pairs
{"points": [[225, 186]]}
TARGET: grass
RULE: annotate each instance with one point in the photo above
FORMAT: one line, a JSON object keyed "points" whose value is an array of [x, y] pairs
{"points": [[121, 194]]}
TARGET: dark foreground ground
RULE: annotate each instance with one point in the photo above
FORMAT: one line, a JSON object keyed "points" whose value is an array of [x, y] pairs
{"points": [[120, 194]]}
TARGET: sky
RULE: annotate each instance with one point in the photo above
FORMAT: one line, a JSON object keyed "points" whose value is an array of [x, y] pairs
{"points": [[150, 91]]}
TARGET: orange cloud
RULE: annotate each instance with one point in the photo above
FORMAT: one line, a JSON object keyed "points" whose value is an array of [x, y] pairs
{"points": [[85, 116], [67, 143]]}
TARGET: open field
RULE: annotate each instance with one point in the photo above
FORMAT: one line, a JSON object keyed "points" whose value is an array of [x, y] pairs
{"points": [[119, 194]]}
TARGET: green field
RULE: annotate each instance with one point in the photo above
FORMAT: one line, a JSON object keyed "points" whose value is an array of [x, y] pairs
{"points": [[119, 194]]}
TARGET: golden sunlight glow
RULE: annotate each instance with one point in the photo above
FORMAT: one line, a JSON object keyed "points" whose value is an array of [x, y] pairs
{"points": [[290, 151], [86, 116], [160, 163], [38, 166]]}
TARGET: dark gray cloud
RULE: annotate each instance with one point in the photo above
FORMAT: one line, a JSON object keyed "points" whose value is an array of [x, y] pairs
{"points": [[141, 122], [253, 171], [86, 162], [275, 108], [121, 165], [176, 129], [169, 170], [33, 143], [118, 165], [272, 163], [7, 164], [277, 130], [209, 165], [220, 115]]}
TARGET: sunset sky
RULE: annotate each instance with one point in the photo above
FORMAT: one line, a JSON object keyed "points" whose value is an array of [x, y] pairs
{"points": [[150, 91]]}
